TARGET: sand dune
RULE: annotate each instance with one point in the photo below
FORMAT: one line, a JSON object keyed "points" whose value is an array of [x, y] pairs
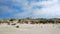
{"points": [[30, 29]]}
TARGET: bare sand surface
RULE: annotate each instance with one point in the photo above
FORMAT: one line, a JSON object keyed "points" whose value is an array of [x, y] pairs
{"points": [[30, 29]]}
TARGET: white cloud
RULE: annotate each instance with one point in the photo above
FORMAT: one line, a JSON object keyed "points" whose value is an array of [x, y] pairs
{"points": [[49, 8]]}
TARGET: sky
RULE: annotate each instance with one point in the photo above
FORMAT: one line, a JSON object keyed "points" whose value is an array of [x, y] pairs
{"points": [[29, 8]]}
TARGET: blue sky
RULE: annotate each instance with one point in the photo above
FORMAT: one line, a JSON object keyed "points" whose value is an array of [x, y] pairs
{"points": [[30, 8]]}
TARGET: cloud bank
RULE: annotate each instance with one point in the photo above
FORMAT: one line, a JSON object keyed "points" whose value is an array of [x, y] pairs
{"points": [[30, 8]]}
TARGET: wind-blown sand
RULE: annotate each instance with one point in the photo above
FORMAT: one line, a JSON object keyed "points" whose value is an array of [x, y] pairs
{"points": [[30, 29]]}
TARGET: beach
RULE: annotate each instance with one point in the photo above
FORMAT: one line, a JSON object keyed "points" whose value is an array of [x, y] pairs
{"points": [[30, 29]]}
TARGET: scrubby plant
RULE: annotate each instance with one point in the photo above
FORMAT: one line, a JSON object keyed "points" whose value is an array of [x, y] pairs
{"points": [[17, 26]]}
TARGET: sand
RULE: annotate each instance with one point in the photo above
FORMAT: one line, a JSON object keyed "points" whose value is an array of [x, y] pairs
{"points": [[30, 29]]}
